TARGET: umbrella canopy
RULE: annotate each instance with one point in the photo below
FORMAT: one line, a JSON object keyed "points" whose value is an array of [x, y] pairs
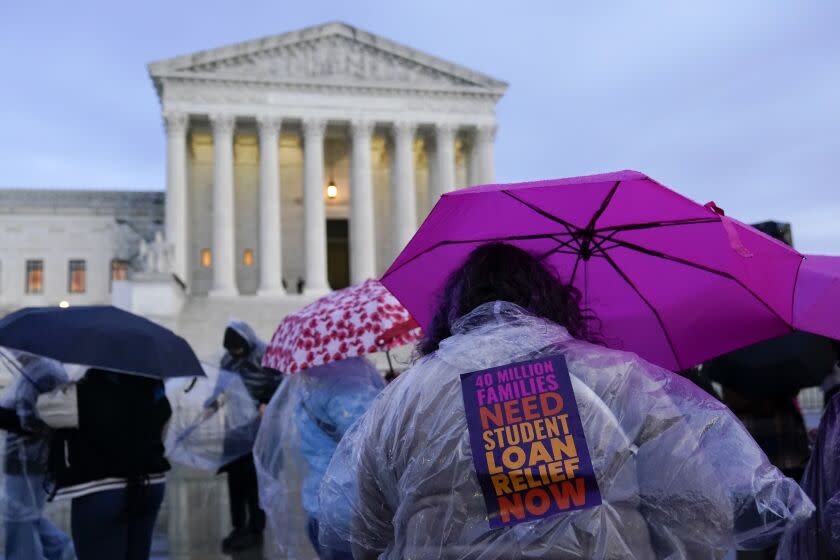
{"points": [[776, 367], [214, 420], [103, 337], [672, 280], [816, 307], [355, 321]]}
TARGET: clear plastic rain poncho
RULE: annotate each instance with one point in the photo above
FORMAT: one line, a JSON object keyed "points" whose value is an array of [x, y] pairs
{"points": [[819, 537], [214, 420], [27, 531], [25, 456], [301, 428], [679, 476]]}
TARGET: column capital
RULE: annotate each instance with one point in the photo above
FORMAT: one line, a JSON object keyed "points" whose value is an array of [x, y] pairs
{"points": [[175, 122], [486, 131], [445, 129], [269, 124], [363, 127], [222, 123], [405, 127], [314, 126]]}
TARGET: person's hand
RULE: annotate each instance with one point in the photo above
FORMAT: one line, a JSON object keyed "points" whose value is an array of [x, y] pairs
{"points": [[208, 412], [262, 410]]}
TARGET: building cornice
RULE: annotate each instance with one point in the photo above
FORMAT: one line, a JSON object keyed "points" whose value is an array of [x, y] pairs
{"points": [[324, 86], [246, 51]]}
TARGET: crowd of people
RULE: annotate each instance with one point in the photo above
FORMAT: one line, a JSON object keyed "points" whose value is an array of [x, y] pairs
{"points": [[349, 467]]}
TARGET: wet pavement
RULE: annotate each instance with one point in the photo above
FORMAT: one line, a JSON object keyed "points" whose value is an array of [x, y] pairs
{"points": [[192, 522]]}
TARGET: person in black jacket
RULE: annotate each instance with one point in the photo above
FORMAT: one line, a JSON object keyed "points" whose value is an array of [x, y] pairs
{"points": [[113, 465], [243, 356]]}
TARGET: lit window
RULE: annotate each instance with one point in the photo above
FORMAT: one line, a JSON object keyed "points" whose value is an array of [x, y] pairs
{"points": [[248, 257], [35, 277], [206, 258], [76, 277], [119, 271]]}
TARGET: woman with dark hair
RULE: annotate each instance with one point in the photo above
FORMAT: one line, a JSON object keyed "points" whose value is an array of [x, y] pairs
{"points": [[679, 477], [501, 272]]}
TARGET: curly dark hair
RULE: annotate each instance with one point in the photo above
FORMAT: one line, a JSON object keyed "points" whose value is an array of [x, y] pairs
{"points": [[500, 271]]}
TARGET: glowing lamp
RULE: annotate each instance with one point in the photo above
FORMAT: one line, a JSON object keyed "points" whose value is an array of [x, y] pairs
{"points": [[332, 190]]}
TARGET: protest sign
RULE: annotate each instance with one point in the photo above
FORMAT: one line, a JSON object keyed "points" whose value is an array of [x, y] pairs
{"points": [[527, 441]]}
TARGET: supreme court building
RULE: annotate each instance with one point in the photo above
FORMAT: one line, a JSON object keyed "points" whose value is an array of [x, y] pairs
{"points": [[299, 162], [310, 157]]}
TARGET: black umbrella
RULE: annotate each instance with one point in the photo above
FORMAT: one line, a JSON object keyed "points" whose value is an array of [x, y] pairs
{"points": [[103, 337], [776, 367]]}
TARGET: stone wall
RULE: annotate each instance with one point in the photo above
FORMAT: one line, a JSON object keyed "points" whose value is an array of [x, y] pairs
{"points": [[56, 239]]}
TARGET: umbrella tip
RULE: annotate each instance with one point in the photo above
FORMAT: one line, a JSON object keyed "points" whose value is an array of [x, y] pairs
{"points": [[715, 208]]}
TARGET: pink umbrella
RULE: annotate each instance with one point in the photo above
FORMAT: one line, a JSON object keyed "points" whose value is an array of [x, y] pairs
{"points": [[355, 321], [816, 306], [672, 280]]}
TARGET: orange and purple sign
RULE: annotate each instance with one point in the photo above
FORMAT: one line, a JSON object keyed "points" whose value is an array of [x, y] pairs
{"points": [[527, 441]]}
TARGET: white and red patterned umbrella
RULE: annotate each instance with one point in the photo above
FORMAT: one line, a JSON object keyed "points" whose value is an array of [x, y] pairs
{"points": [[355, 321]]}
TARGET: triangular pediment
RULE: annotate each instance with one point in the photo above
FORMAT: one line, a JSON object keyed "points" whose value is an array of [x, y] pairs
{"points": [[334, 53]]}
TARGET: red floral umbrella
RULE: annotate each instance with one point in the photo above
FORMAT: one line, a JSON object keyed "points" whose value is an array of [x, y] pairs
{"points": [[355, 321]]}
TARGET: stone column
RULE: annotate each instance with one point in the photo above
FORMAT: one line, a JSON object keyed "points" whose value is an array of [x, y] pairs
{"points": [[445, 155], [432, 166], [484, 137], [271, 247], [314, 214], [473, 174], [224, 248], [177, 216], [362, 254], [403, 192]]}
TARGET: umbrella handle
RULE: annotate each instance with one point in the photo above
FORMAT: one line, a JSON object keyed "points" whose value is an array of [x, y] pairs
{"points": [[390, 365], [191, 385]]}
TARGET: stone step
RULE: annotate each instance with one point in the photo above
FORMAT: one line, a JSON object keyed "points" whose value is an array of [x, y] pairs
{"points": [[203, 319]]}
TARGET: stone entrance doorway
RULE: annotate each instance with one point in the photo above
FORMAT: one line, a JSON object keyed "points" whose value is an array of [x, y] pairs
{"points": [[338, 253]]}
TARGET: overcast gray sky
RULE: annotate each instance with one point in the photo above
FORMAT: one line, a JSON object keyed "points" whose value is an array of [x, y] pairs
{"points": [[732, 101]]}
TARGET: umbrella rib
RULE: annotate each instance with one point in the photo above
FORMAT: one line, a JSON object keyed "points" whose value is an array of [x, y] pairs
{"points": [[678, 260], [572, 253], [467, 241], [795, 282], [542, 212], [650, 306], [599, 241], [558, 248], [607, 248], [606, 202], [652, 225], [571, 233]]}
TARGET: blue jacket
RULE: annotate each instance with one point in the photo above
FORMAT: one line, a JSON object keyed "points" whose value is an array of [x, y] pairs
{"points": [[330, 399]]}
